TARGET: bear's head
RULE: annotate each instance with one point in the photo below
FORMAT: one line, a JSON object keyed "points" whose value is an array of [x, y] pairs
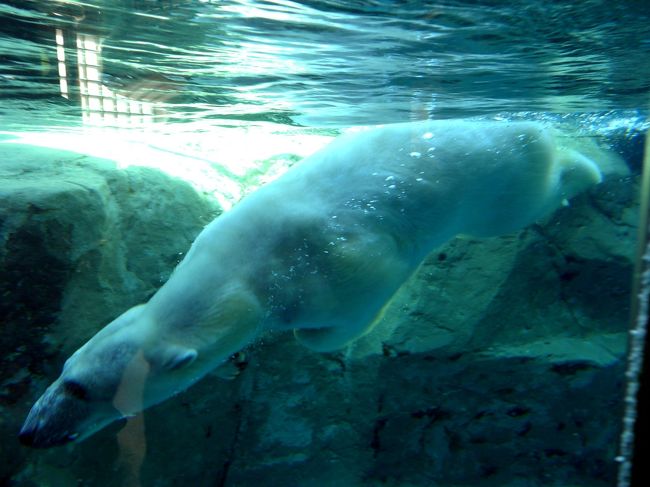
{"points": [[105, 380]]}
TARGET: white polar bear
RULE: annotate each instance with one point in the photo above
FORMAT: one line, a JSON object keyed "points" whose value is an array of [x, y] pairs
{"points": [[320, 251]]}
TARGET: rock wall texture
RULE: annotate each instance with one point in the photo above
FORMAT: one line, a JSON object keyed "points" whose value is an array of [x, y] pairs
{"points": [[499, 363], [79, 241]]}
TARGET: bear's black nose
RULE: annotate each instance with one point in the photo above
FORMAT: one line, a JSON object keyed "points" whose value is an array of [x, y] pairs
{"points": [[26, 437]]}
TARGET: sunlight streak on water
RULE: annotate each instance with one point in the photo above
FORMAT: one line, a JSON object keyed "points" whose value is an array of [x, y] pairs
{"points": [[329, 63]]}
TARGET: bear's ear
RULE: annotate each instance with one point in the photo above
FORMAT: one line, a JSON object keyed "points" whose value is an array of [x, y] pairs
{"points": [[173, 357]]}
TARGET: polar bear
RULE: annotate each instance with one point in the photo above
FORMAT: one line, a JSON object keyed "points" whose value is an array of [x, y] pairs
{"points": [[319, 251]]}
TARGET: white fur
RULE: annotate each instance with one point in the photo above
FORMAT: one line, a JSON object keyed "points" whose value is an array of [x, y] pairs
{"points": [[323, 248]]}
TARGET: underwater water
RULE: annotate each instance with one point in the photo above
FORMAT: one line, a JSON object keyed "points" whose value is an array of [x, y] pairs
{"points": [[126, 126]]}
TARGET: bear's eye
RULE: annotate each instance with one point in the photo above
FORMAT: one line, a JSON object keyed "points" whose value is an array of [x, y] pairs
{"points": [[76, 390]]}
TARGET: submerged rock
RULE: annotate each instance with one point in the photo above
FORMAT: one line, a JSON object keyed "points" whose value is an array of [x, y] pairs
{"points": [[79, 241], [500, 363]]}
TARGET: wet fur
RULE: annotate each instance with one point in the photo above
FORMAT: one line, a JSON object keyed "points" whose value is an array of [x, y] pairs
{"points": [[319, 251]]}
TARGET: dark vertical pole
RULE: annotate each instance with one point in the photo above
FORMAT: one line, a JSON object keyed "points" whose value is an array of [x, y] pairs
{"points": [[633, 453], [641, 456]]}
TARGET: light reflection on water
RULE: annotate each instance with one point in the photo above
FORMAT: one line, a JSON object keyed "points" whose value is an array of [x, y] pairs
{"points": [[324, 63]]}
